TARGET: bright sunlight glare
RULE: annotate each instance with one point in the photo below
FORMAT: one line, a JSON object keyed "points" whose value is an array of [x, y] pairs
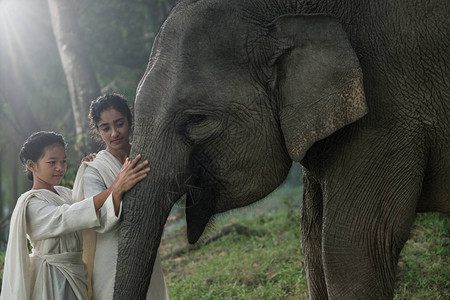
{"points": [[20, 29], [12, 47]]}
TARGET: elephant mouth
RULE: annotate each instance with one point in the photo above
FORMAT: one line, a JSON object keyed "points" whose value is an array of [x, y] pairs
{"points": [[201, 197]]}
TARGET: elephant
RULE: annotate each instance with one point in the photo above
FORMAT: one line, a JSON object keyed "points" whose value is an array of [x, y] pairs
{"points": [[236, 91]]}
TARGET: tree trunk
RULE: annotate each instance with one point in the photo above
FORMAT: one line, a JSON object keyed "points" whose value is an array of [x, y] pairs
{"points": [[81, 81]]}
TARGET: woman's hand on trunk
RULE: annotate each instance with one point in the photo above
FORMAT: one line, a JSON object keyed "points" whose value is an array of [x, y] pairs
{"points": [[130, 174]]}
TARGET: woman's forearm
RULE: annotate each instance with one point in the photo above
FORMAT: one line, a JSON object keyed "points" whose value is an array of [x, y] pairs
{"points": [[100, 199], [117, 199]]}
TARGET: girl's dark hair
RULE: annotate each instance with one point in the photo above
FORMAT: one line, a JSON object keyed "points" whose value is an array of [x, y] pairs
{"points": [[105, 102], [34, 146]]}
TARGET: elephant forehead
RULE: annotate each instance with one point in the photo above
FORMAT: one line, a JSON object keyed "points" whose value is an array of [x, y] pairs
{"points": [[199, 29]]}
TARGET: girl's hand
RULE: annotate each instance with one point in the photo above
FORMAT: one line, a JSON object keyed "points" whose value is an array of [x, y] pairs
{"points": [[89, 157]]}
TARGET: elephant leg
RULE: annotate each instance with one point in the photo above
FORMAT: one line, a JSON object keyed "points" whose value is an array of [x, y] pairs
{"points": [[311, 235], [368, 215]]}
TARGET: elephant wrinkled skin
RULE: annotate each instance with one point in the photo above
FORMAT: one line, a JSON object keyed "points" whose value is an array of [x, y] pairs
{"points": [[356, 91]]}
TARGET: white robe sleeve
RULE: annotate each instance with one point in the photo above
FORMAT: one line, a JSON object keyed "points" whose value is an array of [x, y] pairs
{"points": [[42, 215], [94, 185]]}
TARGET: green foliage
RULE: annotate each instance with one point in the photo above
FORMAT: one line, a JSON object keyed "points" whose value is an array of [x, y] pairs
{"points": [[117, 32], [120, 36]]}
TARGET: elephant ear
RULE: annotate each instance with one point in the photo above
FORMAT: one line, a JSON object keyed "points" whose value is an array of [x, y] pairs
{"points": [[318, 80]]}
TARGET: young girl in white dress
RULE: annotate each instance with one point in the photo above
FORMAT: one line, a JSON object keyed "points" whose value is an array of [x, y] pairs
{"points": [[51, 221]]}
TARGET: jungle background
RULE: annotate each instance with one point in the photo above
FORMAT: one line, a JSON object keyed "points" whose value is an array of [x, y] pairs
{"points": [[55, 57], [58, 55]]}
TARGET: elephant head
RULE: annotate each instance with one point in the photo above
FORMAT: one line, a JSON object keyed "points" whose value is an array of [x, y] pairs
{"points": [[233, 93]]}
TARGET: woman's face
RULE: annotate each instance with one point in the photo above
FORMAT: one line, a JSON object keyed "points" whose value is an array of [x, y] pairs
{"points": [[50, 168], [114, 130]]}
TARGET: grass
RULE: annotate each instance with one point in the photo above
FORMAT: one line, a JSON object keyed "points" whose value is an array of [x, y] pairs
{"points": [[268, 264], [424, 271], [2, 263], [265, 265]]}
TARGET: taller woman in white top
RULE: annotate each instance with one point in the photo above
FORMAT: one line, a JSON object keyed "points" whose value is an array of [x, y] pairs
{"points": [[46, 214], [111, 118]]}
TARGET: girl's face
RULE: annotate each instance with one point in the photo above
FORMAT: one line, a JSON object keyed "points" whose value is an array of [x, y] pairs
{"points": [[114, 130], [50, 168]]}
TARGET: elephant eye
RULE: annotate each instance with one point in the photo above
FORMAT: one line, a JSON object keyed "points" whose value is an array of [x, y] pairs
{"points": [[198, 128], [195, 119]]}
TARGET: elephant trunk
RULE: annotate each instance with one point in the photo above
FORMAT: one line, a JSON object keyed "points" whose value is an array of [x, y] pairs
{"points": [[141, 229], [145, 209]]}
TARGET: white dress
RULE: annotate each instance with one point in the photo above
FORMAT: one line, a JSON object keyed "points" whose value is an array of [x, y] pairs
{"points": [[92, 178], [53, 223]]}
